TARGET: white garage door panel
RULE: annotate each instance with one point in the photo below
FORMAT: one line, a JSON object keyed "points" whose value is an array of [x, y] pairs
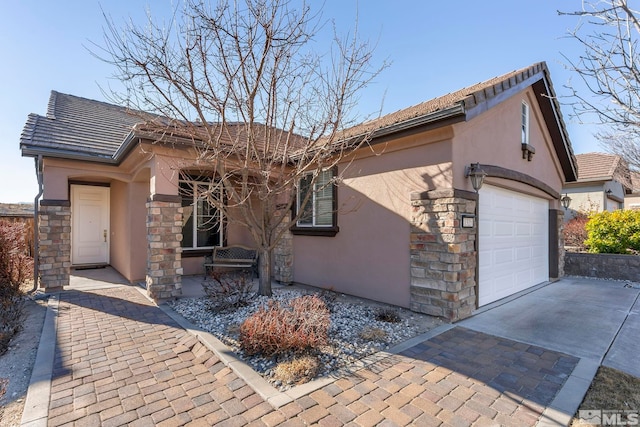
{"points": [[513, 243]]}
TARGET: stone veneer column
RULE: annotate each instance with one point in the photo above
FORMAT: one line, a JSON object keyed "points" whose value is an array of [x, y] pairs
{"points": [[283, 254], [54, 236], [443, 254], [561, 250], [164, 250]]}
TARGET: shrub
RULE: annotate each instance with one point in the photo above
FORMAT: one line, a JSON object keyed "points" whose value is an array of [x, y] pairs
{"points": [[373, 334], [300, 325], [614, 232], [226, 291], [575, 233], [297, 371], [387, 315], [15, 268]]}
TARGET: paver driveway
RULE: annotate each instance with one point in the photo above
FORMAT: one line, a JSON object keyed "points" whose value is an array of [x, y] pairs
{"points": [[120, 360]]}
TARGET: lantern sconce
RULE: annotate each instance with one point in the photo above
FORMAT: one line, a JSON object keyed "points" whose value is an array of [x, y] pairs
{"points": [[566, 201], [476, 175]]}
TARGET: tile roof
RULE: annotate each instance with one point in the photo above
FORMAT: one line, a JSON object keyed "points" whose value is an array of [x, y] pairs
{"points": [[79, 125], [93, 129], [467, 97], [603, 167]]}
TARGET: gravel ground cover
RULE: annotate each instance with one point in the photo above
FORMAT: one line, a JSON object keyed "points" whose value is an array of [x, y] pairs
{"points": [[354, 332]]}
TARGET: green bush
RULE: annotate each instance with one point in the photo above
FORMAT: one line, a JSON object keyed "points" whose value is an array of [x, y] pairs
{"points": [[616, 232]]}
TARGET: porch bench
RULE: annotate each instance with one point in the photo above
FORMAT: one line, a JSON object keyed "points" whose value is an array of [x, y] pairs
{"points": [[235, 256]]}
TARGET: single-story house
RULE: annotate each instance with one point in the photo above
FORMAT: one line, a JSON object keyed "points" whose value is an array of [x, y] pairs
{"points": [[602, 184], [406, 225]]}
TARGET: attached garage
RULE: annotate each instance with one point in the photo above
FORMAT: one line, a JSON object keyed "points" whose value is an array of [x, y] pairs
{"points": [[513, 242]]}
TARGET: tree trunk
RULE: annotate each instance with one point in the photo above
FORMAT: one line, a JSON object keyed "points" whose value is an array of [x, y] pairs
{"points": [[264, 272]]}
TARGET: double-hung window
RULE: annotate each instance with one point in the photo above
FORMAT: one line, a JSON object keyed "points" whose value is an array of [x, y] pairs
{"points": [[316, 203], [202, 225]]}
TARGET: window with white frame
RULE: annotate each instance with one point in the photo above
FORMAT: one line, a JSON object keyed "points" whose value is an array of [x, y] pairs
{"points": [[201, 222], [318, 211], [525, 123]]}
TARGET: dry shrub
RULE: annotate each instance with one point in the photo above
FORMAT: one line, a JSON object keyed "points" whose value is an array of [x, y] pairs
{"points": [[388, 315], [4, 382], [15, 268], [300, 325], [575, 232], [297, 371], [225, 291], [373, 334]]}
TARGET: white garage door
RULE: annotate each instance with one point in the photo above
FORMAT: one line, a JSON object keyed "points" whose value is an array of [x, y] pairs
{"points": [[513, 241]]}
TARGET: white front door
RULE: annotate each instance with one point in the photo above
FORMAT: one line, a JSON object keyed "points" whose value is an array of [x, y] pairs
{"points": [[89, 225], [513, 241]]}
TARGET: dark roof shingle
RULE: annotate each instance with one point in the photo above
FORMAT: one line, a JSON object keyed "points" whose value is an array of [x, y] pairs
{"points": [[79, 125]]}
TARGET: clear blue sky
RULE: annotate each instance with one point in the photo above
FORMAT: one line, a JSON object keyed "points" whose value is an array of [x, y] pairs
{"points": [[435, 47]]}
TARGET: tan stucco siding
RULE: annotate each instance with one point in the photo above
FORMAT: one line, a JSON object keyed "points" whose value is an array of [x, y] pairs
{"points": [[369, 256], [494, 138]]}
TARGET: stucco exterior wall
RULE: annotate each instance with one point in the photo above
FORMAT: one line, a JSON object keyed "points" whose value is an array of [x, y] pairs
{"points": [[369, 257], [128, 229], [632, 201], [494, 138]]}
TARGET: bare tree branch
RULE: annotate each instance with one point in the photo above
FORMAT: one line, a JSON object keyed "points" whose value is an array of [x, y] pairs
{"points": [[245, 83], [608, 31]]}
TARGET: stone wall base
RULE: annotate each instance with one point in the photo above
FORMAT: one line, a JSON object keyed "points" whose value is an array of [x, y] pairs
{"points": [[164, 250], [54, 254], [443, 254]]}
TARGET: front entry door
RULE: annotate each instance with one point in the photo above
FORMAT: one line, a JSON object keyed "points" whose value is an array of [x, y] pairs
{"points": [[89, 225]]}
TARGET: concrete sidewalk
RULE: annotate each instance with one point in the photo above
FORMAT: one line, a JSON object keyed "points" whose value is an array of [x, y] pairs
{"points": [[115, 358]]}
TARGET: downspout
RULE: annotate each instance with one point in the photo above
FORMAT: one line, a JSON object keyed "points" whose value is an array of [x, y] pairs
{"points": [[36, 223]]}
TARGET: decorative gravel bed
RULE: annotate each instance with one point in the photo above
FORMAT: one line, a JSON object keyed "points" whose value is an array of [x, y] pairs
{"points": [[349, 318]]}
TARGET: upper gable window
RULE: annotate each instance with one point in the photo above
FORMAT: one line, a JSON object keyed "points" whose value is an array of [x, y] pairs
{"points": [[525, 123]]}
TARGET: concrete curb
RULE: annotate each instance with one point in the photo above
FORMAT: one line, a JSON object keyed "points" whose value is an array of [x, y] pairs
{"points": [[566, 403], [36, 408]]}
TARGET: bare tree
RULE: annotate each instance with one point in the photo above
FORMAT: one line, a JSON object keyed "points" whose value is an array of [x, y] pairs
{"points": [[609, 68], [245, 82]]}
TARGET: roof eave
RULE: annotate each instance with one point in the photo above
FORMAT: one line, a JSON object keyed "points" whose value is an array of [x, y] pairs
{"points": [[551, 111], [31, 151], [418, 123]]}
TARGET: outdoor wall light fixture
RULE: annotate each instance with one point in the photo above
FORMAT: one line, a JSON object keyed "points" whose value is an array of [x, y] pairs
{"points": [[566, 201], [609, 192], [476, 175]]}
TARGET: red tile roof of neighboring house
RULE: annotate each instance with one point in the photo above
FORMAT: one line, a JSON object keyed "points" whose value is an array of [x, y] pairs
{"points": [[603, 167]]}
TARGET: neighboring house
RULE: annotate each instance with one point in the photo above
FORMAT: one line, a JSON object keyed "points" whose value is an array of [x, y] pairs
{"points": [[632, 199], [405, 225], [602, 184]]}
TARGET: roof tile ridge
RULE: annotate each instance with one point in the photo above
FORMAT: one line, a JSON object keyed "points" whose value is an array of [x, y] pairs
{"points": [[51, 106], [29, 128]]}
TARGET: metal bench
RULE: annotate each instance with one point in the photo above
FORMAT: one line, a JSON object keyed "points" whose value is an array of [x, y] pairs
{"points": [[235, 256]]}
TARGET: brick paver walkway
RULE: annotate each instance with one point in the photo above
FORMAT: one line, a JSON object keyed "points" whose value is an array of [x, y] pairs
{"points": [[121, 361]]}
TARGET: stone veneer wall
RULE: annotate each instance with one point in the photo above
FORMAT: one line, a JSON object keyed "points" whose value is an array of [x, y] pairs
{"points": [[164, 250], [283, 255], [443, 254], [560, 241], [54, 254], [603, 266]]}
